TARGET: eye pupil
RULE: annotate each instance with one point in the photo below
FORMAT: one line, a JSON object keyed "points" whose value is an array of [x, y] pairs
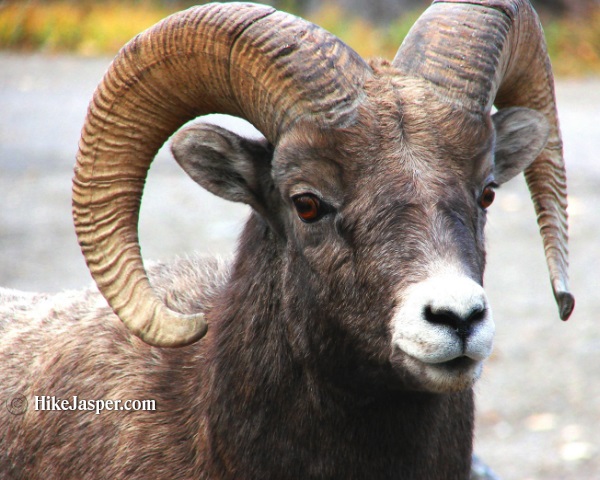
{"points": [[308, 207], [487, 197]]}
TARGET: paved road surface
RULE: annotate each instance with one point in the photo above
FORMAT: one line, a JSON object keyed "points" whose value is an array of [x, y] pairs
{"points": [[539, 398]]}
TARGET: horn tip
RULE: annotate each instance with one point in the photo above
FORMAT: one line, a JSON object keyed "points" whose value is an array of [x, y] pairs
{"points": [[566, 304], [183, 330]]}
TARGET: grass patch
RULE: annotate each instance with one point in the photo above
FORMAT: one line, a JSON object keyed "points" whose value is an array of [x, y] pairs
{"points": [[90, 27]]}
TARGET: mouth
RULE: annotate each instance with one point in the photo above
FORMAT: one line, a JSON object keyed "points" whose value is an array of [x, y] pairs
{"points": [[459, 363], [448, 376], [457, 366]]}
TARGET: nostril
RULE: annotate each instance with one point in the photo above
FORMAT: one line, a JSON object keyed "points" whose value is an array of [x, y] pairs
{"points": [[442, 317], [477, 314], [462, 323]]}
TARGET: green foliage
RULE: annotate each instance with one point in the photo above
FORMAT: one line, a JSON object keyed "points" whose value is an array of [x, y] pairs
{"points": [[574, 44], [83, 27], [93, 27]]}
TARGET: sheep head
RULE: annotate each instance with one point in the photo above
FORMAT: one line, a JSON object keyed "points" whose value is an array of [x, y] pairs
{"points": [[381, 223], [373, 180]]}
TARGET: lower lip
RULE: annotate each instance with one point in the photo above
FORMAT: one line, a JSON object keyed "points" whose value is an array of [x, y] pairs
{"points": [[459, 363]]}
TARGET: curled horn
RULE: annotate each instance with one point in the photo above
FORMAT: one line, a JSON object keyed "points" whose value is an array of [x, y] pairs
{"points": [[477, 53], [240, 59]]}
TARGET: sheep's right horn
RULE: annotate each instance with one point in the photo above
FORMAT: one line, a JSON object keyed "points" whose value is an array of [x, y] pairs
{"points": [[242, 59], [476, 53]]}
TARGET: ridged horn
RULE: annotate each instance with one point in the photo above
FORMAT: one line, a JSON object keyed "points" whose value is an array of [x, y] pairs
{"points": [[245, 60], [480, 53]]}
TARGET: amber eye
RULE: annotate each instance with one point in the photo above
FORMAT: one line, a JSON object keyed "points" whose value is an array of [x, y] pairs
{"points": [[487, 196], [308, 207]]}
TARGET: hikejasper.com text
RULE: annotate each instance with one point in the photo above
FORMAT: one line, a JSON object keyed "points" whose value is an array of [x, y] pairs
{"points": [[53, 403]]}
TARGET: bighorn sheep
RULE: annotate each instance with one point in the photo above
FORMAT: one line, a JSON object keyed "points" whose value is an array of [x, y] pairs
{"points": [[345, 337]]}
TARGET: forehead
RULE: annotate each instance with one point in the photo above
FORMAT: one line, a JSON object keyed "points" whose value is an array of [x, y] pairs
{"points": [[402, 129], [410, 117]]}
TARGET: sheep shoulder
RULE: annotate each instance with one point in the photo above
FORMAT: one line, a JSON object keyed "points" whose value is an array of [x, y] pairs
{"points": [[71, 344]]}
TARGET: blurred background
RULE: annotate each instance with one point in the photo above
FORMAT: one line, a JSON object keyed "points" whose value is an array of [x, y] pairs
{"points": [[539, 398], [373, 28]]}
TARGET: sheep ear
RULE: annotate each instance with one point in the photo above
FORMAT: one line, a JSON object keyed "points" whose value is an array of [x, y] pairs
{"points": [[224, 163], [521, 134]]}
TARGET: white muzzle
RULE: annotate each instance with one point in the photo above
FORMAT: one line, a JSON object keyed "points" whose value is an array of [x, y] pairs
{"points": [[443, 330]]}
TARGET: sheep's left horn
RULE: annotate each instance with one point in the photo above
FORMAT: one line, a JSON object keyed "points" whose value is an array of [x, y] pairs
{"points": [[477, 53], [251, 61]]}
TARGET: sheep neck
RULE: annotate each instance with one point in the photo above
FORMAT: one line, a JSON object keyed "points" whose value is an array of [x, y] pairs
{"points": [[276, 414]]}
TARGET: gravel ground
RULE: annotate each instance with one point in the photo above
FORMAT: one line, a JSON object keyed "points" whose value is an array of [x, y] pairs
{"points": [[539, 398]]}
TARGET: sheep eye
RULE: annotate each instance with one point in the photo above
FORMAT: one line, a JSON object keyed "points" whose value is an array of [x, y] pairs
{"points": [[308, 207], [487, 196]]}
